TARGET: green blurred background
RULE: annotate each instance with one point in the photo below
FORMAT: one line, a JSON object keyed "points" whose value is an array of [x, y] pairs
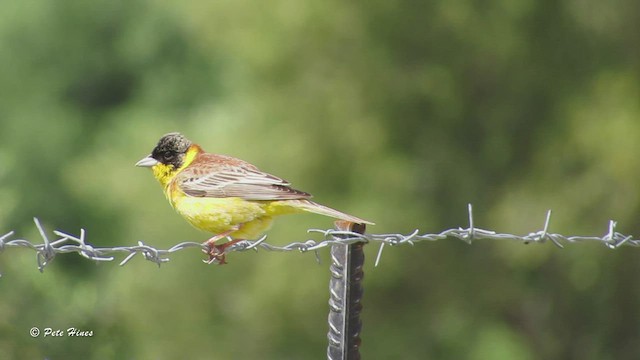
{"points": [[396, 111]]}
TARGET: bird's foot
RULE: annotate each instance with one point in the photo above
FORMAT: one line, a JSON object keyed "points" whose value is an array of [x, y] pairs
{"points": [[217, 252]]}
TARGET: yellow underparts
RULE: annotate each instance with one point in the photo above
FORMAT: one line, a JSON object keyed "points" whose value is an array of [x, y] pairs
{"points": [[218, 215]]}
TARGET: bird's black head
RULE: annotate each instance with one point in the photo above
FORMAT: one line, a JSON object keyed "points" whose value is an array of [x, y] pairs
{"points": [[171, 149]]}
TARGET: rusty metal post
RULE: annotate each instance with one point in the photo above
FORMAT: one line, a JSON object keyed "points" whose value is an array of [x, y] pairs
{"points": [[345, 305]]}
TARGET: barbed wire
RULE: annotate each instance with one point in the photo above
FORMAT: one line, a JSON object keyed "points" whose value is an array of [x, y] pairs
{"points": [[67, 243]]}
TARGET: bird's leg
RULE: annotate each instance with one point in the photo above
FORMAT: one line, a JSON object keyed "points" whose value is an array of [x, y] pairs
{"points": [[217, 252]]}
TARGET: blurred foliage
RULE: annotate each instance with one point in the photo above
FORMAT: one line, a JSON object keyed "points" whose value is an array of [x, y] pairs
{"points": [[399, 112]]}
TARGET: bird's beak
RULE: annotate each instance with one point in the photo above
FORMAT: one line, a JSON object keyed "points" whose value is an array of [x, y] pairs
{"points": [[147, 162]]}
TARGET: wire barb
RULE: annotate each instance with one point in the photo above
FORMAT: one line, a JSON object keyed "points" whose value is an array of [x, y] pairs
{"points": [[471, 231], [67, 243]]}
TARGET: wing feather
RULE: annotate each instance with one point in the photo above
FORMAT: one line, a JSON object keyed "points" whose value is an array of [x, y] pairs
{"points": [[222, 176]]}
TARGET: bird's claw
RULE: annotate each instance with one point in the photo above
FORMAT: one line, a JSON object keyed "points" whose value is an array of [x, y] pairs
{"points": [[217, 252]]}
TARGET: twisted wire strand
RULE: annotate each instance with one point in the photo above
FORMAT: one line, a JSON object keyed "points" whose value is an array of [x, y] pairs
{"points": [[67, 243]]}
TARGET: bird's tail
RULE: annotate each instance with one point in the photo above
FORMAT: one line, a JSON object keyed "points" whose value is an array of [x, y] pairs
{"points": [[310, 206]]}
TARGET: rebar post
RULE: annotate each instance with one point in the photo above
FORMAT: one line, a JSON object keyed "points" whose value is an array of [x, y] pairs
{"points": [[345, 288]]}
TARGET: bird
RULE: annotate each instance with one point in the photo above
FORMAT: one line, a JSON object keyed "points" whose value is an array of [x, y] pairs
{"points": [[226, 196]]}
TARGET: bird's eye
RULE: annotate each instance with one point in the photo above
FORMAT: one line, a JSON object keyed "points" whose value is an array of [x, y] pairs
{"points": [[168, 156]]}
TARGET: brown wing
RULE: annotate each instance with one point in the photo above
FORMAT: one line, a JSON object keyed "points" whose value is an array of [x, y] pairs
{"points": [[222, 176]]}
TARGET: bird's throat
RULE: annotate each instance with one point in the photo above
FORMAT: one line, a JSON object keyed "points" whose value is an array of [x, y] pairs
{"points": [[164, 173]]}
